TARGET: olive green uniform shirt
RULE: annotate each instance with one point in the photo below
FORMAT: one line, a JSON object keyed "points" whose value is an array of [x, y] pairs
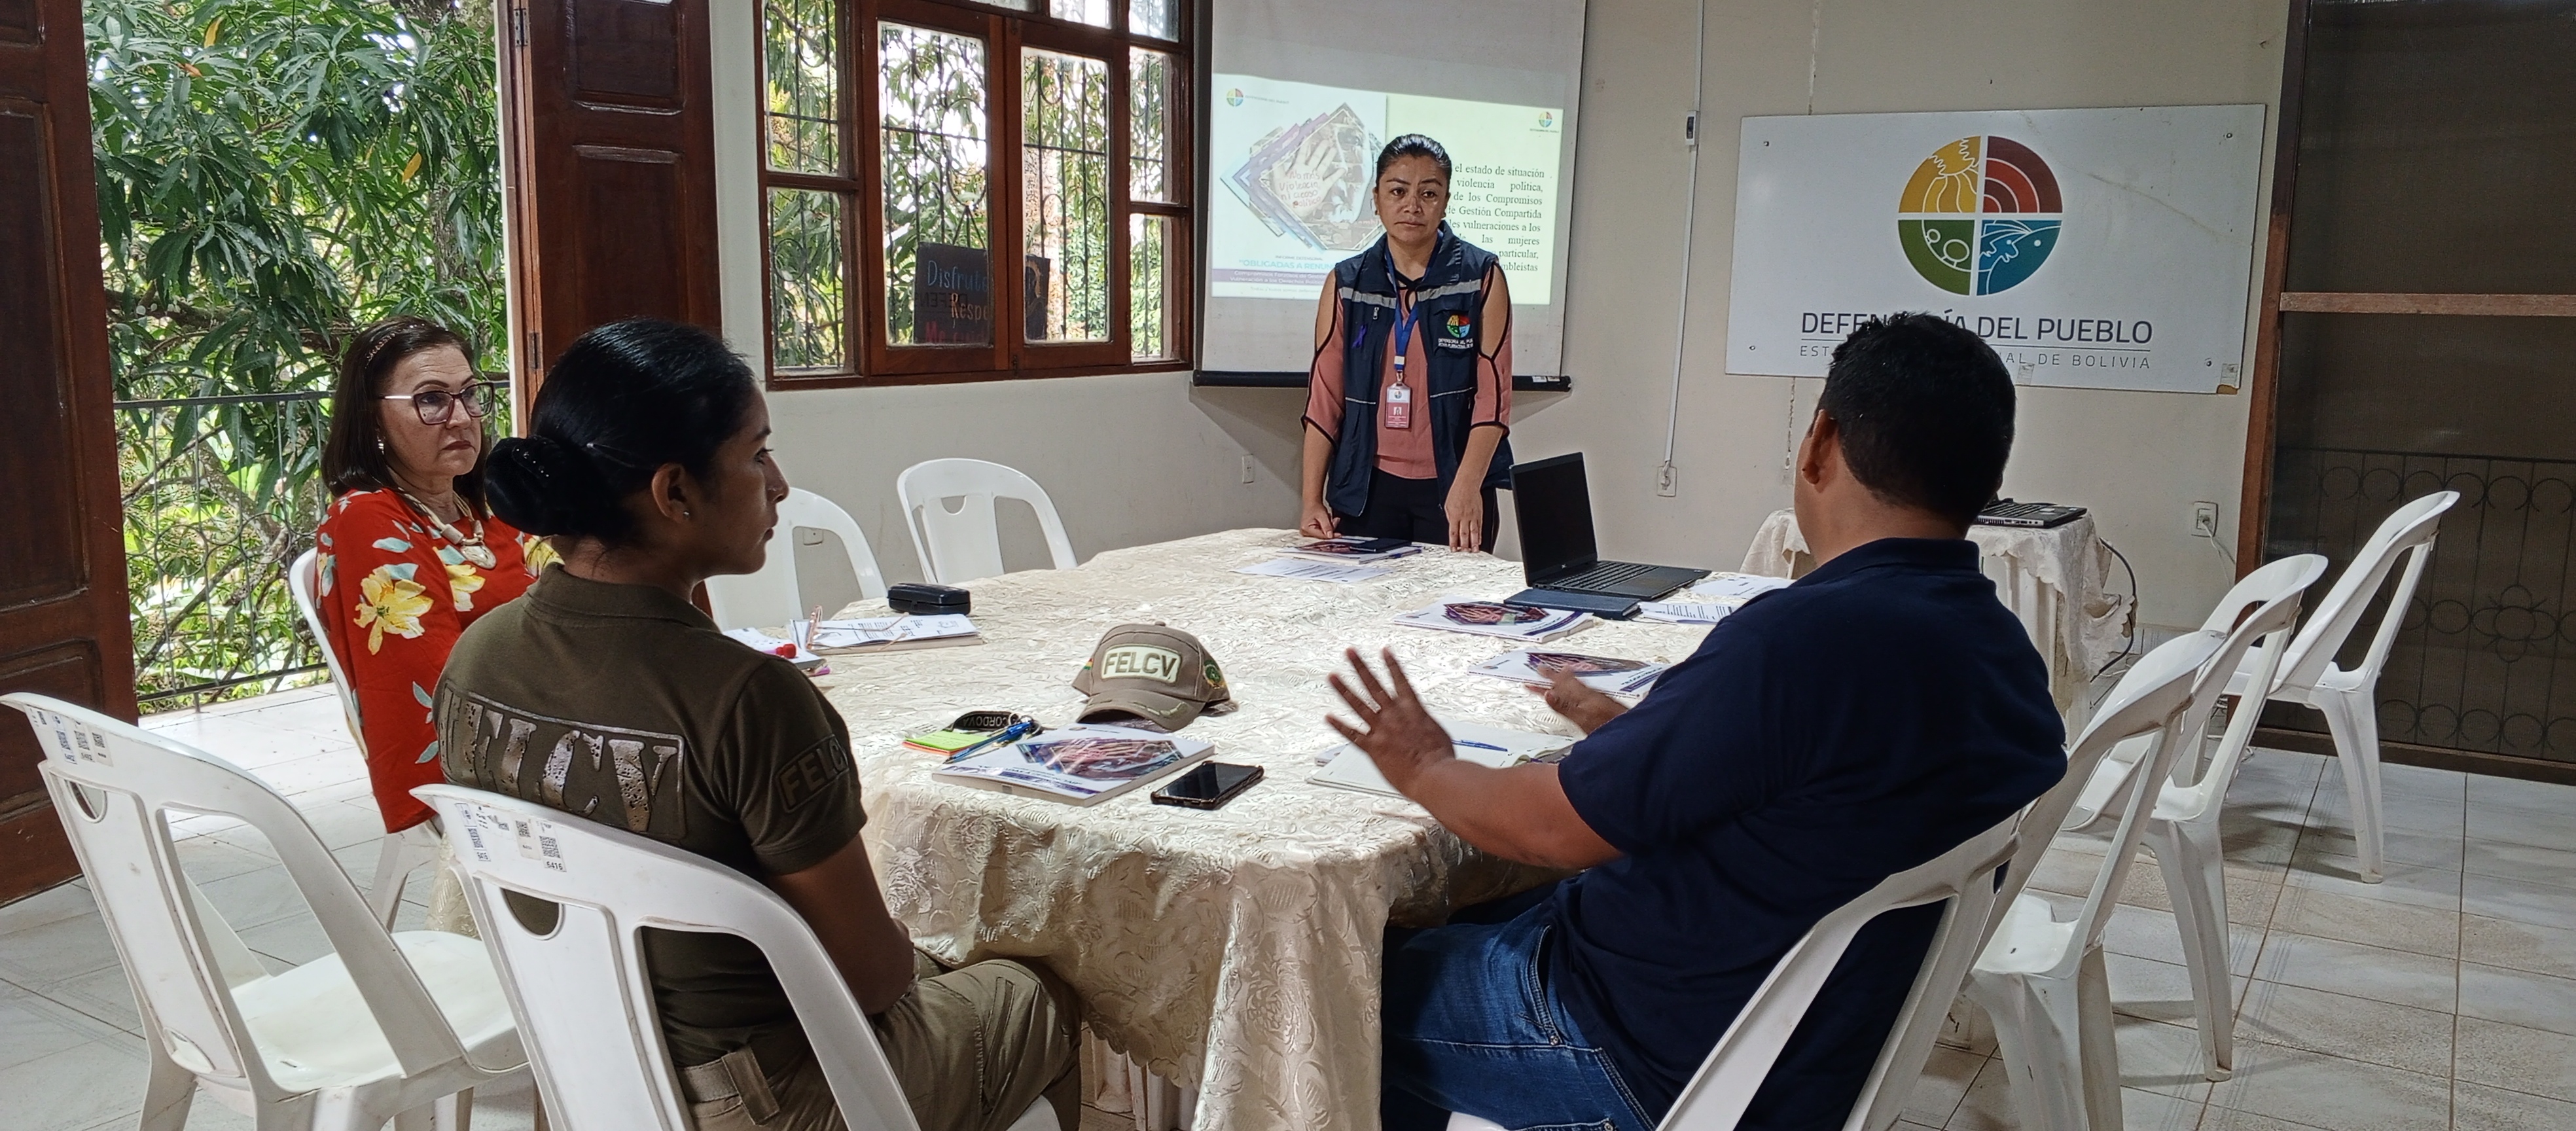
{"points": [[625, 705]]}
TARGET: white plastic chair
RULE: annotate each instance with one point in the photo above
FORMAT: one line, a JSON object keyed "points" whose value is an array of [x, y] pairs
{"points": [[2308, 675], [581, 992], [767, 599], [966, 543], [1962, 878], [303, 579], [2182, 829], [400, 853], [2043, 980], [399, 1026]]}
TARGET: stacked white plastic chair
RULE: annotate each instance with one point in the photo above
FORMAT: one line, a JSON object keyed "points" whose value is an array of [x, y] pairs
{"points": [[2182, 828], [1962, 879], [2309, 676], [767, 599], [578, 986], [2043, 980], [400, 1026], [965, 544], [401, 852]]}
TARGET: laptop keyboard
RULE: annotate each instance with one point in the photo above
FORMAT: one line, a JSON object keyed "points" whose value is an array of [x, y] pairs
{"points": [[1607, 573]]}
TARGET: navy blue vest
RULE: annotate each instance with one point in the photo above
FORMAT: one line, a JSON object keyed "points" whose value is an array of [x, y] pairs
{"points": [[1451, 312]]}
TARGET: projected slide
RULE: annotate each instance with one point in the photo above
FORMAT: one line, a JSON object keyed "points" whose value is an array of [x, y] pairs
{"points": [[1297, 162]]}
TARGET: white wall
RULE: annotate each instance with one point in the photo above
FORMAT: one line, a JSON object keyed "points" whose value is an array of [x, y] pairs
{"points": [[1134, 459], [2137, 459]]}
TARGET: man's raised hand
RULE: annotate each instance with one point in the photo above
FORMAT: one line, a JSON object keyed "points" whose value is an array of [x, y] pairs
{"points": [[1394, 729]]}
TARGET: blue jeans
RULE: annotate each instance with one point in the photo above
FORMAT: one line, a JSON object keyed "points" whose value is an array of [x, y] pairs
{"points": [[1472, 1026]]}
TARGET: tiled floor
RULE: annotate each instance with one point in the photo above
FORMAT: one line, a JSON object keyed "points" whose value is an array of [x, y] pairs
{"points": [[2443, 998]]}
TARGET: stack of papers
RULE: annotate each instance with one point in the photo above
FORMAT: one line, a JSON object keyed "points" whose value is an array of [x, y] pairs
{"points": [[1686, 612], [1491, 618], [1346, 767], [1083, 764], [1736, 586], [1307, 570], [1601, 673], [1711, 599], [886, 634], [1349, 550]]}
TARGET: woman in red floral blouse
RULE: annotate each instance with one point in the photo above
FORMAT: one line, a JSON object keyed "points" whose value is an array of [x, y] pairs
{"points": [[408, 554]]}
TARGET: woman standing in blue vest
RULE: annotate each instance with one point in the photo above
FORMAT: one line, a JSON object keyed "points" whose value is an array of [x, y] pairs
{"points": [[1416, 450]]}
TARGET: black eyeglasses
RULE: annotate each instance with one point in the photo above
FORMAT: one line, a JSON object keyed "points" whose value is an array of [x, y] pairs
{"points": [[979, 722], [438, 406]]}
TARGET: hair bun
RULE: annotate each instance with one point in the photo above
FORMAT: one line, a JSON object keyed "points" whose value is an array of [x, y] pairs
{"points": [[543, 486]]}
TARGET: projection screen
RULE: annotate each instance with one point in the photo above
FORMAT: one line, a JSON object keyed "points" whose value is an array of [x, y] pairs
{"points": [[1302, 93]]}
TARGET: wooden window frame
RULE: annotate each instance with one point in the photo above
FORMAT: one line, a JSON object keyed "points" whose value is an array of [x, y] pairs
{"points": [[871, 361]]}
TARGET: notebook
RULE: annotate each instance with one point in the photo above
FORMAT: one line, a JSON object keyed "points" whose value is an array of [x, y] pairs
{"points": [[1347, 767]]}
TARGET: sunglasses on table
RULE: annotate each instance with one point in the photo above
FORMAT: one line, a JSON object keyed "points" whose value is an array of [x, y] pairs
{"points": [[979, 722], [438, 406]]}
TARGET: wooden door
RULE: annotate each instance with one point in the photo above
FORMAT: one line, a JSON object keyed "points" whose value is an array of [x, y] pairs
{"points": [[63, 620], [2408, 348], [610, 163]]}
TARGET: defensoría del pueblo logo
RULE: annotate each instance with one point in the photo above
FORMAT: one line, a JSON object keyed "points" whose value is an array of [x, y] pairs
{"points": [[1979, 215]]}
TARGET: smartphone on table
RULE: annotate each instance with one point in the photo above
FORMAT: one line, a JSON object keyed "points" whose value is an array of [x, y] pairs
{"points": [[1208, 785]]}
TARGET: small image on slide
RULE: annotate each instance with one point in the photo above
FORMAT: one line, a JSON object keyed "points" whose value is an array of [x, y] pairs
{"points": [[1310, 181]]}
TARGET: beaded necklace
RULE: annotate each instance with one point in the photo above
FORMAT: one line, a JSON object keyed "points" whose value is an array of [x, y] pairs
{"points": [[473, 548]]}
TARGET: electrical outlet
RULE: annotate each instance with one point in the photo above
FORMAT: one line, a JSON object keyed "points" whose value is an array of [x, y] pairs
{"points": [[1247, 468], [1664, 479], [2204, 520]]}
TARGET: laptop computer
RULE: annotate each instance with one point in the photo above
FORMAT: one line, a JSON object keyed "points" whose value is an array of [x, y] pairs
{"points": [[1553, 502]]}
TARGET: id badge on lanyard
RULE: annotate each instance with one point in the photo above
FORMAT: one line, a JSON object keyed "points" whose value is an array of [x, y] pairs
{"points": [[1399, 396]]}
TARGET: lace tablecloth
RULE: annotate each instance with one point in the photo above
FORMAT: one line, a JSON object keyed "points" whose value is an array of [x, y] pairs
{"points": [[1236, 951], [2052, 578]]}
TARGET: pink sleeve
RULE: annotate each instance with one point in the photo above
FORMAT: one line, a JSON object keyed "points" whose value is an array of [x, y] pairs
{"points": [[1494, 369], [1324, 384]]}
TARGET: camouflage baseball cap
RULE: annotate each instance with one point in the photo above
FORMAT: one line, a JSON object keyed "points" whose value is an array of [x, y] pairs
{"points": [[1160, 675]]}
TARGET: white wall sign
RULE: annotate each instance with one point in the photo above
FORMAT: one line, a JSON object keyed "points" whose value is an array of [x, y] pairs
{"points": [[2106, 249]]}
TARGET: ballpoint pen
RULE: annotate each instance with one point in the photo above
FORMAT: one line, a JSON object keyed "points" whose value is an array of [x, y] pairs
{"points": [[1012, 733]]}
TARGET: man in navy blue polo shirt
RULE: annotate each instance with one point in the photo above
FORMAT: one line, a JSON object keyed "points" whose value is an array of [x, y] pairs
{"points": [[1860, 722]]}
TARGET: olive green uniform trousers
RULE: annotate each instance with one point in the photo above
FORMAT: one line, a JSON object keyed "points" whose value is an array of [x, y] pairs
{"points": [[972, 1047]]}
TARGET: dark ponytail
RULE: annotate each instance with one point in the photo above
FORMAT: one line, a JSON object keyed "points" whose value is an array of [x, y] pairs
{"points": [[624, 400]]}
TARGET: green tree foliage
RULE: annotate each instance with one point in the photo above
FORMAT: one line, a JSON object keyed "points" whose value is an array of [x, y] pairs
{"points": [[272, 174]]}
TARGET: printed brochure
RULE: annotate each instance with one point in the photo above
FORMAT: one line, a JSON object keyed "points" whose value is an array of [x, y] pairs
{"points": [[1349, 550], [1493, 618], [1601, 673], [1305, 569], [1083, 764]]}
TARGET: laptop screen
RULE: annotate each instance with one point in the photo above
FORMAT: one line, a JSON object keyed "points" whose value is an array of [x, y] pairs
{"points": [[1554, 507]]}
